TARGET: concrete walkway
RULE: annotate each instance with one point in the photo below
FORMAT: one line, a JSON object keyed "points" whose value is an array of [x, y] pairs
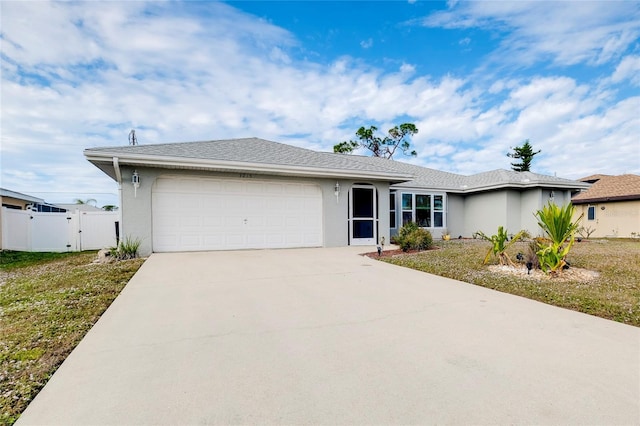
{"points": [[324, 336]]}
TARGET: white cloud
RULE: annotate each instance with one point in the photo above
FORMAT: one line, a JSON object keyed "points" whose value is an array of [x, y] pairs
{"points": [[566, 32], [213, 72], [366, 44], [628, 69]]}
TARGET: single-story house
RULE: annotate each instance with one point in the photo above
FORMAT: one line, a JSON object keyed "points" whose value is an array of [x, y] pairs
{"points": [[254, 193], [611, 206], [16, 200]]}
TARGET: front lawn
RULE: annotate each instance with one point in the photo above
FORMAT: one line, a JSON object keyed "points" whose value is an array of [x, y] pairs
{"points": [[614, 294], [48, 302]]}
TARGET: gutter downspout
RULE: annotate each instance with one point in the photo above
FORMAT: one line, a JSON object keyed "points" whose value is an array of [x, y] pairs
{"points": [[116, 168]]}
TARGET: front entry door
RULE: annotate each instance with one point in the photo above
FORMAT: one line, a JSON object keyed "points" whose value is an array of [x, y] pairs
{"points": [[363, 222]]}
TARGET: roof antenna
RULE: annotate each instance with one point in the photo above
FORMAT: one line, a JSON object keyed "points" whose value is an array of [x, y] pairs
{"points": [[132, 137]]}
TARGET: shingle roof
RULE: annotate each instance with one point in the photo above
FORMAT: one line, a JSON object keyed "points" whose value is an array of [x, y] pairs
{"points": [[610, 188], [592, 178], [425, 177], [488, 180], [248, 151], [276, 157]]}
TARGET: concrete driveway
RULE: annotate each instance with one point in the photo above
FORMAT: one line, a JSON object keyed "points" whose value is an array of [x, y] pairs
{"points": [[324, 336]]}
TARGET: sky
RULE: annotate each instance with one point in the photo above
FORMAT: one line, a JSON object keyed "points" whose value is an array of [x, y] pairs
{"points": [[476, 78]]}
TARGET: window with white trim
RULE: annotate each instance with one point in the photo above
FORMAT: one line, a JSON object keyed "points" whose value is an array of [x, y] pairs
{"points": [[591, 213], [427, 210]]}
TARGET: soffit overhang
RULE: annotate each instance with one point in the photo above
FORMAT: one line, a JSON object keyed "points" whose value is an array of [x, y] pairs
{"points": [[104, 161]]}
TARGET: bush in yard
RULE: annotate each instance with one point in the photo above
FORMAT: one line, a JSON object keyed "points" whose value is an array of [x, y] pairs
{"points": [[127, 249], [412, 237], [556, 223], [500, 243]]}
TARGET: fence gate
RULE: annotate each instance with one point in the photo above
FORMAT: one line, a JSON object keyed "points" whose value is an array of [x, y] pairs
{"points": [[24, 230]]}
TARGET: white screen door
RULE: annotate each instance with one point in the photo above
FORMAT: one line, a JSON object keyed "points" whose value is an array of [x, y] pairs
{"points": [[363, 220]]}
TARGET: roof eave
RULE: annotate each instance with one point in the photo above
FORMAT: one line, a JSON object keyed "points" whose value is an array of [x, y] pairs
{"points": [[103, 158], [606, 199], [527, 185]]}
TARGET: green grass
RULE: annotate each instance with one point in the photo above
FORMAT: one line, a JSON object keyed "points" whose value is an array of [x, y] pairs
{"points": [[614, 295], [48, 302], [17, 259]]}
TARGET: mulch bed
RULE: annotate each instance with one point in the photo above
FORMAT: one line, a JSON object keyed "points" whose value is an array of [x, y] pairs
{"points": [[395, 252]]}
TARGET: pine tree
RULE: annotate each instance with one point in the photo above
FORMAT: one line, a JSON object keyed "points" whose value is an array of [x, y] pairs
{"points": [[379, 146], [525, 154]]}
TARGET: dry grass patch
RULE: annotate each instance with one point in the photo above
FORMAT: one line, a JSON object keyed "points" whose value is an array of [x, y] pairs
{"points": [[604, 278], [47, 304]]}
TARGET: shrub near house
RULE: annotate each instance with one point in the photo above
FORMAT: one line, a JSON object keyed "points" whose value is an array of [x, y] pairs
{"points": [[500, 243], [412, 237]]}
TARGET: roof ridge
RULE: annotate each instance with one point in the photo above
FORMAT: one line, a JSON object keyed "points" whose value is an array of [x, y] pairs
{"points": [[161, 144]]}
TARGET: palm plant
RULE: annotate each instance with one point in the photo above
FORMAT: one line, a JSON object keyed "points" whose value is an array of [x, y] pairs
{"points": [[500, 242], [90, 201], [557, 224]]}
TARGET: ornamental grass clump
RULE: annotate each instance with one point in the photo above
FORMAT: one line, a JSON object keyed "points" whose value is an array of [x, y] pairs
{"points": [[127, 249], [560, 233]]}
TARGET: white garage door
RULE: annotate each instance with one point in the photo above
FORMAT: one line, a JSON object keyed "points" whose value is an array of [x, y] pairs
{"points": [[192, 214]]}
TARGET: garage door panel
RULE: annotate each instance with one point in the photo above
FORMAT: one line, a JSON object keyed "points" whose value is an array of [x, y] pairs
{"points": [[233, 187], [213, 202], [275, 222], [190, 221], [189, 241], [214, 240], [192, 214], [234, 241], [273, 189], [213, 222], [256, 204]]}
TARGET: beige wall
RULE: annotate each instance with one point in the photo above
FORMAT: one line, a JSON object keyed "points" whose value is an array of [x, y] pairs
{"points": [[617, 219], [15, 202]]}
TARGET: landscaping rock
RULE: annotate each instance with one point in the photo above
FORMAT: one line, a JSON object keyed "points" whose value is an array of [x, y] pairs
{"points": [[104, 256]]}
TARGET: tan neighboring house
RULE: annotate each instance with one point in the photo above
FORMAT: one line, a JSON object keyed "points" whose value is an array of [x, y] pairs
{"points": [[611, 206], [15, 200]]}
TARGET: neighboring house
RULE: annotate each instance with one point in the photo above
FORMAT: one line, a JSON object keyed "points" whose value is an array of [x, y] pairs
{"points": [[611, 206], [253, 193], [71, 207], [18, 201]]}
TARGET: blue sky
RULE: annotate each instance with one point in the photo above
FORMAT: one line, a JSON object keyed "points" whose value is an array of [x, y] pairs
{"points": [[477, 78]]}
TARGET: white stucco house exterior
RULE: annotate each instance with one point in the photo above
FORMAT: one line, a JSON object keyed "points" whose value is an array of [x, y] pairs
{"points": [[253, 193]]}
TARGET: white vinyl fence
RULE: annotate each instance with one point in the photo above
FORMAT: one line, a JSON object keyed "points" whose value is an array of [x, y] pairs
{"points": [[24, 230]]}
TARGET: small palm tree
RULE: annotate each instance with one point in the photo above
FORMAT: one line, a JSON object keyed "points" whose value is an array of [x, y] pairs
{"points": [[90, 201], [556, 223], [500, 243]]}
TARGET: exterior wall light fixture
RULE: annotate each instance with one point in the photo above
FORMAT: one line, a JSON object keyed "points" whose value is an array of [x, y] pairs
{"points": [[135, 181], [336, 191]]}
